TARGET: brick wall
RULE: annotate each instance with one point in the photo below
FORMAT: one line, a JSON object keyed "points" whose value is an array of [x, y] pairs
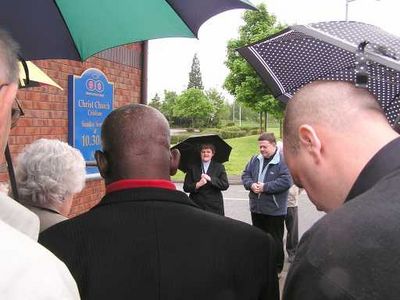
{"points": [[46, 107]]}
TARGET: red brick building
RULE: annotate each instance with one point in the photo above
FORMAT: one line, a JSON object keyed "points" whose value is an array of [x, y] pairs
{"points": [[46, 107]]}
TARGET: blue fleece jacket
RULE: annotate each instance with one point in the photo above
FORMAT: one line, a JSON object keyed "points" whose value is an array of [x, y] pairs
{"points": [[277, 181]]}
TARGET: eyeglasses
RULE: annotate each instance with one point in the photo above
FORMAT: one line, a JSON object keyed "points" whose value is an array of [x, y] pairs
{"points": [[16, 113], [16, 110], [3, 167]]}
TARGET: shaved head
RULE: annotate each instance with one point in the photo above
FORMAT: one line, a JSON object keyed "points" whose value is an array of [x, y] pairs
{"points": [[136, 127], [136, 144], [331, 130], [337, 104]]}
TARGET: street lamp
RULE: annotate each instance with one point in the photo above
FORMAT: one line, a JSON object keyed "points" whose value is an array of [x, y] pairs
{"points": [[347, 8]]}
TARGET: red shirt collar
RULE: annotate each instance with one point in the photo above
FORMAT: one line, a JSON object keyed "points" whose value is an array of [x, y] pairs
{"points": [[139, 183]]}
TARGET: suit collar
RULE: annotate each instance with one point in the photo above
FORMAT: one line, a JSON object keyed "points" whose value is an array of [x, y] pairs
{"points": [[136, 183], [274, 161], [142, 194], [210, 167], [383, 163]]}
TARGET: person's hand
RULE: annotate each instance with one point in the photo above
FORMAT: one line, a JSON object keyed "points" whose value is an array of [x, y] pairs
{"points": [[206, 177], [201, 182], [257, 187], [254, 188]]}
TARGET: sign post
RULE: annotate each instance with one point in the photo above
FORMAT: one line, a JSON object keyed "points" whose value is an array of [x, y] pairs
{"points": [[90, 100]]}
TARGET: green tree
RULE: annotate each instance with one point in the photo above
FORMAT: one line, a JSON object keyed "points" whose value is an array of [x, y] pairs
{"points": [[243, 82], [193, 105], [220, 107], [167, 106], [195, 80], [156, 102]]}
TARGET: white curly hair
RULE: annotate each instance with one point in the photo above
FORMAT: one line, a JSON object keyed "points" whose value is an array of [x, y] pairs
{"points": [[49, 171]]}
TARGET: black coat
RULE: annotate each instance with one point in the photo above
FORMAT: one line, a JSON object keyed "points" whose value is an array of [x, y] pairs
{"points": [[209, 196], [151, 243], [354, 251]]}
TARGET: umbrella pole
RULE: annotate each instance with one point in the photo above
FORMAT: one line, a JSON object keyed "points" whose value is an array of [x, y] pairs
{"points": [[11, 174], [26, 69]]}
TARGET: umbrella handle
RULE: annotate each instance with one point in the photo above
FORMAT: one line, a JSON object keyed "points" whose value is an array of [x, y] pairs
{"points": [[11, 173], [361, 66], [26, 69]]}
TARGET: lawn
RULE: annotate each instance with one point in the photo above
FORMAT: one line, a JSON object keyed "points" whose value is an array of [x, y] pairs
{"points": [[242, 150]]}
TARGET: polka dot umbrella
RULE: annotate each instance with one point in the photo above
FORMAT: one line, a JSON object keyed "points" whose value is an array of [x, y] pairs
{"points": [[339, 50]]}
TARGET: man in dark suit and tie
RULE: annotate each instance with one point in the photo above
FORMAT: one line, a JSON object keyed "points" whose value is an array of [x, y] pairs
{"points": [[145, 240]]}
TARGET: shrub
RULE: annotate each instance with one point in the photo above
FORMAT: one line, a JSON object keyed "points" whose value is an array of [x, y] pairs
{"points": [[229, 134], [254, 131], [175, 139]]}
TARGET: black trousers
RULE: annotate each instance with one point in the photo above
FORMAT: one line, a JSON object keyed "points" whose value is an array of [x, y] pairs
{"points": [[213, 205], [274, 225], [292, 238]]}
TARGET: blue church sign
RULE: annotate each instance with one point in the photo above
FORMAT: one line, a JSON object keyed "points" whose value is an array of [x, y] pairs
{"points": [[90, 100]]}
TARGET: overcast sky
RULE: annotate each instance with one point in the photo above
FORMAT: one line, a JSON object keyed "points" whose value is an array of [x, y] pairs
{"points": [[170, 59]]}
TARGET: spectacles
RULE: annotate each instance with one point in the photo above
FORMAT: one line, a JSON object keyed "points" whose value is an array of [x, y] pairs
{"points": [[16, 110], [16, 113], [3, 167]]}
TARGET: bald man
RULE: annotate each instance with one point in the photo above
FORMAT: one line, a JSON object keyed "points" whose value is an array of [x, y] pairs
{"points": [[145, 240], [339, 146]]}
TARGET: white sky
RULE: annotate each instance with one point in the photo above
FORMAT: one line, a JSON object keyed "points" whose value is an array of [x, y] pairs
{"points": [[170, 59]]}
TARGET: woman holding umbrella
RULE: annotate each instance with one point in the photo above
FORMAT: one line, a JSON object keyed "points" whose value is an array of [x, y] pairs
{"points": [[205, 181]]}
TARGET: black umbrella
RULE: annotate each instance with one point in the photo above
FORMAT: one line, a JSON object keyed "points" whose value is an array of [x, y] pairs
{"points": [[190, 149], [340, 50]]}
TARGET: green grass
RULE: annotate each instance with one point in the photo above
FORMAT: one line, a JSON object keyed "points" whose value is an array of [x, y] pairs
{"points": [[243, 149]]}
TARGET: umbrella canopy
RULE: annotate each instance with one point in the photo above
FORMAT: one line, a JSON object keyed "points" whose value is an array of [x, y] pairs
{"points": [[341, 50], [190, 149], [36, 76], [75, 29]]}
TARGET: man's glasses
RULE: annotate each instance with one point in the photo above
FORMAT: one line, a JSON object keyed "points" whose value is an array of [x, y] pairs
{"points": [[16, 113], [16, 110]]}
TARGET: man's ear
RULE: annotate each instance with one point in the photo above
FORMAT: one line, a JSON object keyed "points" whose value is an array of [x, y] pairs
{"points": [[102, 163], [310, 141], [175, 158]]}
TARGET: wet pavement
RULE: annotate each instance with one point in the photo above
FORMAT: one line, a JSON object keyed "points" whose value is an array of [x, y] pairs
{"points": [[237, 207]]}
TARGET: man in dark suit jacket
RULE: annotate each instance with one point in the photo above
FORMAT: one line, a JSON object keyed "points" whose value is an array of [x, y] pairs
{"points": [[206, 180], [341, 149], [145, 240]]}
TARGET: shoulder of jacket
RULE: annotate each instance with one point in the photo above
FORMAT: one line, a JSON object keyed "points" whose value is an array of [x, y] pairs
{"points": [[254, 158]]}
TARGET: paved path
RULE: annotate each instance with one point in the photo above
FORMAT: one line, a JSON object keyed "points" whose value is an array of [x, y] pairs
{"points": [[237, 207]]}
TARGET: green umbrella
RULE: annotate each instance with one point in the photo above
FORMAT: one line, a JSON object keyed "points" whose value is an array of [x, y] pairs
{"points": [[77, 29]]}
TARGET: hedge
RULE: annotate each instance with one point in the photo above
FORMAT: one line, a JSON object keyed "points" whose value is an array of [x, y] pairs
{"points": [[225, 133]]}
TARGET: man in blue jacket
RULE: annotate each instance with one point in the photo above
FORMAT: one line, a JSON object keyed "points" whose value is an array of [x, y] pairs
{"points": [[268, 179]]}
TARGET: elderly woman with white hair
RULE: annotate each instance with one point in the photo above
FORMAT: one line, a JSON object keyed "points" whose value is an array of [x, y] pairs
{"points": [[48, 174]]}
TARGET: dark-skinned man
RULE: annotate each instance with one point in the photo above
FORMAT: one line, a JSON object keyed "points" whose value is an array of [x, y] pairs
{"points": [[145, 240]]}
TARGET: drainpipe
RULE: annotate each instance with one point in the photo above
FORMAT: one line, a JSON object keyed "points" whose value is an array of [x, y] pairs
{"points": [[143, 88]]}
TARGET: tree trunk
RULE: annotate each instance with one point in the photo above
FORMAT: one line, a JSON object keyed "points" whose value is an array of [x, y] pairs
{"points": [[261, 121], [266, 121]]}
